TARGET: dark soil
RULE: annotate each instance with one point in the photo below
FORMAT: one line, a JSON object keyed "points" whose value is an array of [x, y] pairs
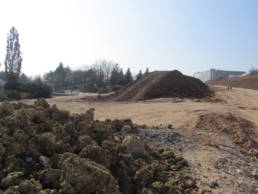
{"points": [[46, 150], [163, 84]]}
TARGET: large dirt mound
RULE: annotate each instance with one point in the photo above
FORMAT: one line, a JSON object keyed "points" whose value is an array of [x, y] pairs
{"points": [[45, 150], [240, 130], [163, 84], [248, 82]]}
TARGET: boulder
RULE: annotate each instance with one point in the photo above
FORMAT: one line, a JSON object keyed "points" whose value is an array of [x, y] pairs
{"points": [[85, 175]]}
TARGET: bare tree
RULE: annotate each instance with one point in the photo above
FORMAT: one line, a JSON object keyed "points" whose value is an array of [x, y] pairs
{"points": [[13, 59], [104, 70], [117, 75], [100, 75]]}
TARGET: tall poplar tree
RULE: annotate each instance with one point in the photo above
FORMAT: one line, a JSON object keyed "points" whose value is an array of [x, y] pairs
{"points": [[13, 58]]}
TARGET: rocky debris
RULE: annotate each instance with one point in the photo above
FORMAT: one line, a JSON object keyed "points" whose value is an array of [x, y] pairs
{"points": [[129, 129], [240, 130], [46, 150], [227, 169], [161, 136]]}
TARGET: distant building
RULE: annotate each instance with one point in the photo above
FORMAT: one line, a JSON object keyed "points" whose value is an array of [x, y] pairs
{"points": [[71, 92], [215, 74]]}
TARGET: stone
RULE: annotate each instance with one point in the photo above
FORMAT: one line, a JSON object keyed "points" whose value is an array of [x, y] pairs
{"points": [[134, 146], [44, 160], [127, 129]]}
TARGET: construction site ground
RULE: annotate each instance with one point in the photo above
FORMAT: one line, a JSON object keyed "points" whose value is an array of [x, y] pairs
{"points": [[218, 164]]}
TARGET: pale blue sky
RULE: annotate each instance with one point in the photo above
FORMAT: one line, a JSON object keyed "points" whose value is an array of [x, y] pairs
{"points": [[188, 35]]}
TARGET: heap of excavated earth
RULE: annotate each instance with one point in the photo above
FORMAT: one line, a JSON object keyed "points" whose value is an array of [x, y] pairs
{"points": [[46, 150]]}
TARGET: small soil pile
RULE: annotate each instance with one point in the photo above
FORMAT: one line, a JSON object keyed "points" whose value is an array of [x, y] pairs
{"points": [[163, 84], [241, 130], [46, 150], [249, 82]]}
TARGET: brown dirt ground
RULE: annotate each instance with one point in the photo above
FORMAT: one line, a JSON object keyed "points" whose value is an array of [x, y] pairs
{"points": [[248, 82], [214, 157], [179, 112]]}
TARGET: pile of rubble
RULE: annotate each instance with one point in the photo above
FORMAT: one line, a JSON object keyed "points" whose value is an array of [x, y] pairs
{"points": [[46, 150]]}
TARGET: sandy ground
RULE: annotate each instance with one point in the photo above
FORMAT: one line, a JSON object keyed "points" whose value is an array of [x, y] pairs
{"points": [[243, 102], [217, 163]]}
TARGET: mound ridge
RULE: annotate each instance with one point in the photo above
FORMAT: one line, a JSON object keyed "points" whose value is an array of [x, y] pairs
{"points": [[163, 84]]}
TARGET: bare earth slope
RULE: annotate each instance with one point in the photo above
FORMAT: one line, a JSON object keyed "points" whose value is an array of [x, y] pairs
{"points": [[249, 82], [163, 84], [136, 90]]}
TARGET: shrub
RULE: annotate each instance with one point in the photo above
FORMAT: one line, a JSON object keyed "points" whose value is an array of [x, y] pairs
{"points": [[116, 87], [37, 90], [88, 88], [12, 86], [13, 95]]}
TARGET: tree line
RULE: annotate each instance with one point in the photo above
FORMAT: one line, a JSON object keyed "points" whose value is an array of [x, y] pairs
{"points": [[99, 77]]}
